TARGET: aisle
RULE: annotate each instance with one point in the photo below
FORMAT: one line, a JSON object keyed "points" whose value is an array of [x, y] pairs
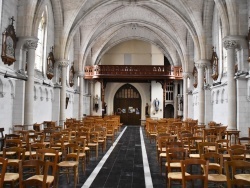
{"points": [[124, 165]]}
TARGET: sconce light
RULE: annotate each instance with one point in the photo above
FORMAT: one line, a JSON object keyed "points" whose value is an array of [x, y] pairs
{"points": [[6, 75]]}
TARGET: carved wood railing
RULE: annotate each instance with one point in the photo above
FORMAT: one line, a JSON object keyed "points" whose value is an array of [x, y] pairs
{"points": [[133, 71]]}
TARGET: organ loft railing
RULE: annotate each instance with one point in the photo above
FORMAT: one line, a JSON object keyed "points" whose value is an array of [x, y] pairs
{"points": [[133, 72]]}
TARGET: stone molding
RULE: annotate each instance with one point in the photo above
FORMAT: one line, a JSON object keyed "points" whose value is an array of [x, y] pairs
{"points": [[31, 43], [186, 75], [230, 44], [241, 41], [201, 65], [63, 63], [80, 74]]}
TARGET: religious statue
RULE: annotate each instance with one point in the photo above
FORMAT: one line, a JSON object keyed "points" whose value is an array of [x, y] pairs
{"points": [[96, 103], [157, 104], [146, 110]]}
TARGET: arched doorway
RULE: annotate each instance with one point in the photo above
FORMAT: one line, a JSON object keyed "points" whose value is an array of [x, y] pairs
{"points": [[169, 111], [127, 104]]}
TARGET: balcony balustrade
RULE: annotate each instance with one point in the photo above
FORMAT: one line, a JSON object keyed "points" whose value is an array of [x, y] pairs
{"points": [[142, 72]]}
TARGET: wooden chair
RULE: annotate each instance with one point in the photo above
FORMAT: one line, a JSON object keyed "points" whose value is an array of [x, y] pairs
{"points": [[3, 164], [237, 154], [82, 155], [110, 127], [205, 147], [52, 157], [2, 138], [31, 153], [193, 146], [38, 174], [102, 139], [92, 143], [162, 146], [200, 173], [17, 128], [12, 176], [237, 173], [215, 174], [244, 141], [70, 163], [223, 146], [173, 164]]}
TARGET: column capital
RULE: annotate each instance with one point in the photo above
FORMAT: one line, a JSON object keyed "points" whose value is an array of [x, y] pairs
{"points": [[31, 43], [63, 62], [186, 75], [230, 44], [80, 74], [202, 63], [235, 41], [176, 82]]}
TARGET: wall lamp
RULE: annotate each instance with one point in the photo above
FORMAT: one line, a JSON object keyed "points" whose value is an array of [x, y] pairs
{"points": [[17, 77]]}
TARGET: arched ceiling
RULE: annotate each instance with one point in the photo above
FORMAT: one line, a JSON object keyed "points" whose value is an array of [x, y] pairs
{"points": [[101, 24]]}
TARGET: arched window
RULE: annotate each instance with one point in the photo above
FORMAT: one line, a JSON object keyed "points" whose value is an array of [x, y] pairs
{"points": [[41, 45]]}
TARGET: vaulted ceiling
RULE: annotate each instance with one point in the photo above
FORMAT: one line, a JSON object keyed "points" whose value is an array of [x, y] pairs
{"points": [[174, 26]]}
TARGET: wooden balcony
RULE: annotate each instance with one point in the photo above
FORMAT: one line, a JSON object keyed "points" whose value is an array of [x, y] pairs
{"points": [[133, 72]]}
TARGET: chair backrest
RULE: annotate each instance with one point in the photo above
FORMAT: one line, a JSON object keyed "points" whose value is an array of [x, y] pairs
{"points": [[50, 155], [193, 144], [3, 164], [200, 172], [215, 161], [175, 155], [238, 154], [237, 146], [12, 143], [17, 128], [1, 132], [81, 142], [18, 153], [71, 152], [223, 145], [233, 168], [205, 147], [12, 136], [38, 167], [34, 146]]}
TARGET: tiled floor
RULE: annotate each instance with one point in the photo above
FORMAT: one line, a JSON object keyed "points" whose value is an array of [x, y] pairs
{"points": [[124, 166]]}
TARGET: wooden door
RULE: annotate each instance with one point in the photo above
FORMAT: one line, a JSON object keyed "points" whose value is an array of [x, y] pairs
{"points": [[127, 104]]}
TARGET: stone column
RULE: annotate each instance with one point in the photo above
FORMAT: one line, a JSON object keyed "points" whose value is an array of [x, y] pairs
{"points": [[31, 45], [175, 99], [91, 96], [201, 64], [80, 114], [230, 46], [185, 76], [64, 64], [207, 90]]}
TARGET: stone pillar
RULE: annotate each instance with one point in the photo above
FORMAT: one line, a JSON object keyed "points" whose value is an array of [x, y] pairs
{"points": [[185, 95], [31, 45], [64, 64], [230, 46], [207, 90], [175, 99], [201, 64], [91, 96], [80, 114]]}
